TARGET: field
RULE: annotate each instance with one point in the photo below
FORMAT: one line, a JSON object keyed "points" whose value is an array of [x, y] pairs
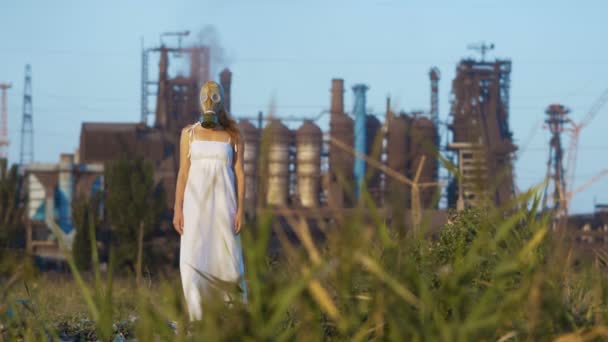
{"points": [[486, 276]]}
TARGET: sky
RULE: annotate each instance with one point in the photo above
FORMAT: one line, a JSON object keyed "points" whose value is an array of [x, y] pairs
{"points": [[86, 63]]}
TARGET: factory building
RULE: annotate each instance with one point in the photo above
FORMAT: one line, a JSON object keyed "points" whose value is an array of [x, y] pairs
{"points": [[283, 166], [176, 107]]}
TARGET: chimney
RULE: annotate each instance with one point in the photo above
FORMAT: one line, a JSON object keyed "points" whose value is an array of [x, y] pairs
{"points": [[337, 95], [360, 134], [226, 81]]}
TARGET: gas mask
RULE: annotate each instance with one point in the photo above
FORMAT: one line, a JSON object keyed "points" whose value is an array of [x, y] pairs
{"points": [[212, 101]]}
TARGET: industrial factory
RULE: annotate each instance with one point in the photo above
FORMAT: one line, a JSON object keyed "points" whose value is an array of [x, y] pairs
{"points": [[393, 158]]}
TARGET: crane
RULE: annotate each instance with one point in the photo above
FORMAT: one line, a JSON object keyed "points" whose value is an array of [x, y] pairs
{"points": [[589, 182], [573, 148], [482, 47]]}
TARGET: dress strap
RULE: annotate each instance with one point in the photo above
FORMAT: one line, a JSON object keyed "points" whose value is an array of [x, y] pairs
{"points": [[190, 132], [230, 142]]}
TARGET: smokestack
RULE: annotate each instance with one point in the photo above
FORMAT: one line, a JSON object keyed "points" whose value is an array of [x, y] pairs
{"points": [[226, 81], [337, 95], [161, 118], [360, 134], [434, 76]]}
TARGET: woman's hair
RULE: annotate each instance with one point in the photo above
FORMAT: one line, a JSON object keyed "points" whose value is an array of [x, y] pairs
{"points": [[229, 124]]}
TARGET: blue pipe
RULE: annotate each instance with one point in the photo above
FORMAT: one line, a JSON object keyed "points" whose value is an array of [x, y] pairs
{"points": [[360, 138]]}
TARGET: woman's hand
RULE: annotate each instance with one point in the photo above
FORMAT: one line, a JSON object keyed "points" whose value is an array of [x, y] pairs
{"points": [[178, 220], [238, 221]]}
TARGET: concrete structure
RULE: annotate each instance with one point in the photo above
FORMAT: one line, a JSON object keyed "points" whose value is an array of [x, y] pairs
{"points": [[50, 189]]}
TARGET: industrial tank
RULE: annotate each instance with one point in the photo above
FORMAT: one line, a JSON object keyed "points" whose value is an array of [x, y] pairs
{"points": [[308, 160], [280, 137], [251, 138]]}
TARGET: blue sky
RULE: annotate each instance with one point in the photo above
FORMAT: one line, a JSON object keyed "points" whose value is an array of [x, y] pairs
{"points": [[85, 58]]}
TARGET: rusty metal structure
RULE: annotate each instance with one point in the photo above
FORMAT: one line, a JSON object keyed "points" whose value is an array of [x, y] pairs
{"points": [[176, 107], [556, 181], [176, 104], [481, 134], [410, 137], [397, 158], [423, 139]]}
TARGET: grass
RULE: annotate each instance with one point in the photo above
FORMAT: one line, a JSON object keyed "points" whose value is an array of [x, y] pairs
{"points": [[488, 276]]}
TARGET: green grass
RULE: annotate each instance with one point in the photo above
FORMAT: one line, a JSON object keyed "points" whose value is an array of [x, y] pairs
{"points": [[488, 276]]}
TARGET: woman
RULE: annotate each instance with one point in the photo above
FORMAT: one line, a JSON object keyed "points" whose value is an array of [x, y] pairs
{"points": [[206, 212]]}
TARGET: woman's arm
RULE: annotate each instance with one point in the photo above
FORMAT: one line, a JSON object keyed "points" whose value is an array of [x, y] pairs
{"points": [[184, 168], [240, 175]]}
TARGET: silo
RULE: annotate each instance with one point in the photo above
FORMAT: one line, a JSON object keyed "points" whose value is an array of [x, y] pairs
{"points": [[308, 160], [341, 163], [277, 190], [251, 139]]}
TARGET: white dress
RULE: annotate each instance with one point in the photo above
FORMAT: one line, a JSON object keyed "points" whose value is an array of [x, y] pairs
{"points": [[208, 242]]}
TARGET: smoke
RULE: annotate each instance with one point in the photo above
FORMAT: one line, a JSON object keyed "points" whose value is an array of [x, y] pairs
{"points": [[218, 58]]}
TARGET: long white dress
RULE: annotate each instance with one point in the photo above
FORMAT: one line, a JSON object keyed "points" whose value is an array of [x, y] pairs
{"points": [[208, 242]]}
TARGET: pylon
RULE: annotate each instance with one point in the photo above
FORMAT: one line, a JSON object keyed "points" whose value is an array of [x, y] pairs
{"points": [[4, 123]]}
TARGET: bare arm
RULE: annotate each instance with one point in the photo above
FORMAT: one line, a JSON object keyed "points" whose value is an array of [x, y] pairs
{"points": [[184, 168], [240, 175]]}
